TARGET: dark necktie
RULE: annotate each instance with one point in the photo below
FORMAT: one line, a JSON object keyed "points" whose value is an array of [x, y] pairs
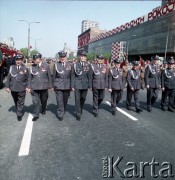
{"points": [[82, 64], [63, 64], [99, 65], [18, 67]]}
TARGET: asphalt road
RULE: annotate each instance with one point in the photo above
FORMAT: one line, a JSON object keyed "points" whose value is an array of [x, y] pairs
{"points": [[113, 146]]}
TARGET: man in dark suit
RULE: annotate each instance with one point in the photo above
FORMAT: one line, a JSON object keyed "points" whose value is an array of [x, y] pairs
{"points": [[116, 84], [98, 76], [17, 83], [168, 86], [62, 83], [152, 81], [39, 82], [80, 81], [133, 87]]}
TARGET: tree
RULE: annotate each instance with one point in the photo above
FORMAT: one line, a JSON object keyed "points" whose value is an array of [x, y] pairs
{"points": [[90, 56], [32, 52], [24, 51]]}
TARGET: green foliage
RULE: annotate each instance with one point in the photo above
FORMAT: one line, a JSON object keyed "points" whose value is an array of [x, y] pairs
{"points": [[24, 51], [32, 52], [90, 56], [107, 55]]}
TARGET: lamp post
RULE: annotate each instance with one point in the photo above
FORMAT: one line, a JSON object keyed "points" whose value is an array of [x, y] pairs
{"points": [[36, 41], [28, 51], [127, 50], [167, 39]]}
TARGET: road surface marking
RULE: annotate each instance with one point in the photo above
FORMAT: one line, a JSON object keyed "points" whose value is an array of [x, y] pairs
{"points": [[25, 144], [123, 112]]}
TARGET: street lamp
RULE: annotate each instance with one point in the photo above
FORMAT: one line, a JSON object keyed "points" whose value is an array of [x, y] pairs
{"points": [[28, 52], [36, 41], [128, 45], [167, 38]]}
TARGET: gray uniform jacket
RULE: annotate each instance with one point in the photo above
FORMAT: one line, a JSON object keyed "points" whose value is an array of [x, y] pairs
{"points": [[80, 75], [134, 79], [62, 76], [152, 76], [17, 79], [168, 78], [40, 77], [98, 76], [116, 79]]}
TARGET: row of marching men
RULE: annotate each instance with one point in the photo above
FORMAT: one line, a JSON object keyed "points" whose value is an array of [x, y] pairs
{"points": [[81, 76]]}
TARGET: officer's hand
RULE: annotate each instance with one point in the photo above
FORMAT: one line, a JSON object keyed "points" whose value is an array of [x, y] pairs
{"points": [[159, 86], [110, 90], [8, 90], [163, 89], [147, 86], [132, 89], [28, 90], [51, 89], [73, 89]]}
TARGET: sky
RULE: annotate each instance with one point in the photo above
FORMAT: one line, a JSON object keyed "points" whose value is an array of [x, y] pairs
{"points": [[60, 21]]}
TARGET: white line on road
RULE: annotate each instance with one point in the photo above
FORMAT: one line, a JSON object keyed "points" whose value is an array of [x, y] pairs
{"points": [[25, 144], [123, 112]]}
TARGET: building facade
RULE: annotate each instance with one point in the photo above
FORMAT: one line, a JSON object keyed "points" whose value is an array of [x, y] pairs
{"points": [[151, 34], [86, 24]]}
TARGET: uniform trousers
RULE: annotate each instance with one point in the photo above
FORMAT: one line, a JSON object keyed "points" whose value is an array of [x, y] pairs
{"points": [[62, 99], [170, 94], [39, 99], [19, 99], [98, 96], [80, 97], [136, 98], [116, 96], [152, 95]]}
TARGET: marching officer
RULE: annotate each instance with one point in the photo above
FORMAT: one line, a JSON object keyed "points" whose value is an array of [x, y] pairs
{"points": [[152, 82], [80, 81], [62, 83], [17, 83], [116, 84], [98, 76], [168, 86], [39, 82], [133, 86]]}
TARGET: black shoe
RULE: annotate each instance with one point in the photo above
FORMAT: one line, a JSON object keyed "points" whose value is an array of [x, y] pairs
{"points": [[149, 109], [128, 108], [60, 118], [95, 114], [35, 118], [170, 109], [139, 110], [43, 112], [114, 113], [78, 118], [19, 118], [163, 108]]}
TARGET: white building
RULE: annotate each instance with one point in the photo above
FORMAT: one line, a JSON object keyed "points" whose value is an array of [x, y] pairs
{"points": [[86, 24]]}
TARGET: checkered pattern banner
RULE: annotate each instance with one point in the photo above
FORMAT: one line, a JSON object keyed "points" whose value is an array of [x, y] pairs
{"points": [[115, 51]]}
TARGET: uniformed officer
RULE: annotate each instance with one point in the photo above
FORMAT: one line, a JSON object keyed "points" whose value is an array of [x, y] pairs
{"points": [[17, 83], [152, 81], [39, 82], [98, 76], [80, 81], [168, 86], [133, 86], [62, 83], [116, 84]]}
